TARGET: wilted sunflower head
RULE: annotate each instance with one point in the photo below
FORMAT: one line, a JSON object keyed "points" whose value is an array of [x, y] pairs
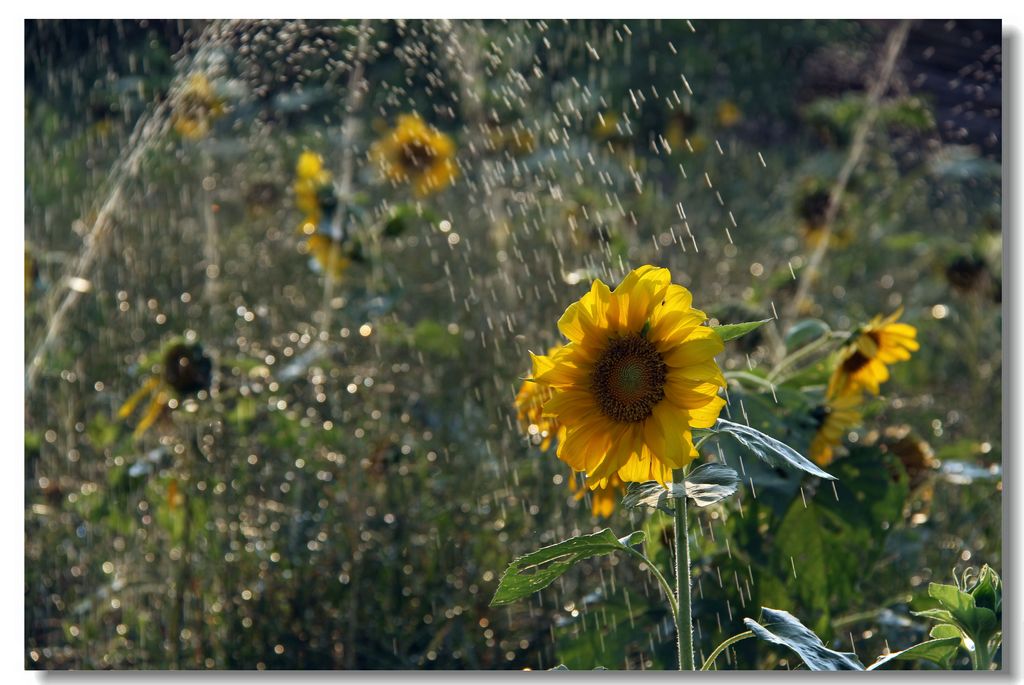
{"points": [[187, 369], [834, 419], [417, 153], [637, 374], [863, 362], [913, 451], [966, 273]]}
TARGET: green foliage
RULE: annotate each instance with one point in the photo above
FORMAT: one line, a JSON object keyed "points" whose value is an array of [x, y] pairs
{"points": [[537, 570], [781, 628], [704, 485], [975, 615], [770, 450], [940, 652], [732, 331]]}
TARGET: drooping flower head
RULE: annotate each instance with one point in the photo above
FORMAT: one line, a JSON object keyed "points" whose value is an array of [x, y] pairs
{"points": [[417, 153], [530, 400], [637, 375], [184, 370], [863, 363], [835, 418]]}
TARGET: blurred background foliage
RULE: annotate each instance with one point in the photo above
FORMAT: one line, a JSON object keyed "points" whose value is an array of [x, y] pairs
{"points": [[348, 486]]}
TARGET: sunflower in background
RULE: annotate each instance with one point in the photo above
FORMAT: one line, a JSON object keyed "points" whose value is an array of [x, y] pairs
{"points": [[835, 418], [417, 153], [812, 210], [864, 362], [608, 129], [681, 132], [860, 369], [316, 198], [196, 107], [602, 498], [637, 374], [183, 370], [529, 402], [728, 114]]}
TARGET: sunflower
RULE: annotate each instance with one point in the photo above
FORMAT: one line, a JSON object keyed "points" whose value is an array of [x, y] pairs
{"points": [[637, 375], [728, 114], [681, 132], [863, 363], [417, 153], [602, 499], [529, 410], [196, 107], [314, 194], [812, 208], [914, 453], [330, 256], [184, 370], [835, 418]]}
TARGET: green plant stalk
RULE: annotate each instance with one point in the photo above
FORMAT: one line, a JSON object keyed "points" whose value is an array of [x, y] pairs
{"points": [[981, 658], [710, 661], [669, 591], [684, 617]]}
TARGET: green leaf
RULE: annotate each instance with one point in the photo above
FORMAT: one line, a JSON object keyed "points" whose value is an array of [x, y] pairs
{"points": [[804, 332], [799, 555], [941, 652], [705, 485], [782, 628], [710, 483], [732, 331], [945, 630], [537, 570], [768, 449], [987, 591], [978, 623]]}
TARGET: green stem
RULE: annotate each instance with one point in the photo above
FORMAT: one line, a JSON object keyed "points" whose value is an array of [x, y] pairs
{"points": [[669, 590], [684, 617], [709, 662], [805, 351], [981, 657]]}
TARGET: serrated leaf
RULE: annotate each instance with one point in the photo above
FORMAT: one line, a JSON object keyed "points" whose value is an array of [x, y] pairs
{"points": [[537, 570], [768, 449], [782, 628], [732, 331], [705, 485], [941, 652]]}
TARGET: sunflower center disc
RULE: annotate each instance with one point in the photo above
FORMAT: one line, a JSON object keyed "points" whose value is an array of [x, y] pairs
{"points": [[628, 379], [417, 156], [858, 360]]}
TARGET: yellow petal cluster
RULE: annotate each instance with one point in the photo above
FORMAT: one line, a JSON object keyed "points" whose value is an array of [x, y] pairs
{"points": [[417, 153], [637, 375]]}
